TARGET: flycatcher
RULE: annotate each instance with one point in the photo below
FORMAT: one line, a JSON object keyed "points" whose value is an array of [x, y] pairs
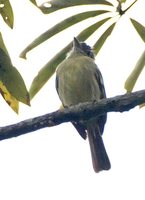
{"points": [[79, 80]]}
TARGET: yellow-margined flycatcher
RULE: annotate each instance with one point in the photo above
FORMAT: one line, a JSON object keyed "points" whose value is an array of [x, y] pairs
{"points": [[79, 80]]}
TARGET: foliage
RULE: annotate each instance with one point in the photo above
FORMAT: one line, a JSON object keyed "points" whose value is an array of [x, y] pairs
{"points": [[7, 12], [131, 80], [12, 86]]}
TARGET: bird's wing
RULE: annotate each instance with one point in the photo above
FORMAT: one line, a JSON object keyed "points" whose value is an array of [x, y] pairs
{"points": [[78, 126], [103, 118]]}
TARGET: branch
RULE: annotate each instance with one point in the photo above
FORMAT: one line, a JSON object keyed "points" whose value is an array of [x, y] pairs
{"points": [[83, 111]]}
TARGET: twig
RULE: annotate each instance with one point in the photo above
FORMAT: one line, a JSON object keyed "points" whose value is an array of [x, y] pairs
{"points": [[119, 7], [130, 6]]}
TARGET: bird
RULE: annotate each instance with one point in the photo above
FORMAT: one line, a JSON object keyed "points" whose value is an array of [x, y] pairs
{"points": [[79, 80]]}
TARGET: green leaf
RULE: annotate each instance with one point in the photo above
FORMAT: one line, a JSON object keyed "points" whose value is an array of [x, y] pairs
{"points": [[54, 5], [7, 12], [11, 101], [86, 33], [60, 27], [131, 80], [34, 2], [14, 83], [97, 46], [121, 1], [139, 28], [12, 80], [48, 70], [12, 86], [3, 47]]}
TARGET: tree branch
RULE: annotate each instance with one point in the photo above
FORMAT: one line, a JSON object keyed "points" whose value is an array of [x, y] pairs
{"points": [[83, 111]]}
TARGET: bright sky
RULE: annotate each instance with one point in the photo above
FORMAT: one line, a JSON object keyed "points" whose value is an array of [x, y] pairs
{"points": [[55, 163]]}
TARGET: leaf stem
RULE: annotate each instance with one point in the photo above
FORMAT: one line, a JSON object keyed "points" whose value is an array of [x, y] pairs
{"points": [[130, 6], [119, 7]]}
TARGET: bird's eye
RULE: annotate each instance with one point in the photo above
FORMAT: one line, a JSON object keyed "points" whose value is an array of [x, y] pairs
{"points": [[90, 54]]}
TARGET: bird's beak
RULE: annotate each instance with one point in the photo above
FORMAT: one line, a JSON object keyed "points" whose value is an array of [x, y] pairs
{"points": [[76, 43]]}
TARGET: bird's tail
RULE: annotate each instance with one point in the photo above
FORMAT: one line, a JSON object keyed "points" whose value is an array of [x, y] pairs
{"points": [[100, 158]]}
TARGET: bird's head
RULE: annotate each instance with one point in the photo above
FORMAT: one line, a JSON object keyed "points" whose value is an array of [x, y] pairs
{"points": [[83, 48]]}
